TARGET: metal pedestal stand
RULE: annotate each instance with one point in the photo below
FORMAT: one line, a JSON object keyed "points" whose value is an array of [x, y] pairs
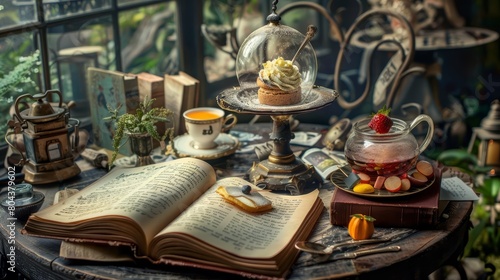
{"points": [[281, 171]]}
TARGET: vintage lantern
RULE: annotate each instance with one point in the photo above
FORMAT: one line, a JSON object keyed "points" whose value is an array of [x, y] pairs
{"points": [[489, 136], [46, 134]]}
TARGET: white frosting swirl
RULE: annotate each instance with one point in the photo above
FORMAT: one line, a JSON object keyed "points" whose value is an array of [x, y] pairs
{"points": [[281, 73]]}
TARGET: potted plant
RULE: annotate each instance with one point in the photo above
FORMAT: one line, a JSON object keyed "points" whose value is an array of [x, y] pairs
{"points": [[141, 130]]}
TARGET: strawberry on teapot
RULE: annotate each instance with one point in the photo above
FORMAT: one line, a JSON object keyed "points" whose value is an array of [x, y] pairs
{"points": [[384, 146]]}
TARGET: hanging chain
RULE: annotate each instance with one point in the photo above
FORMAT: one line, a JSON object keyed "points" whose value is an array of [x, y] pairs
{"points": [[274, 7]]}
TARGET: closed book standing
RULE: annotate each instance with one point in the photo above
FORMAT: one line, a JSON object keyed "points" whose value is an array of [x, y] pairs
{"points": [[152, 87], [419, 210], [181, 93], [110, 90]]}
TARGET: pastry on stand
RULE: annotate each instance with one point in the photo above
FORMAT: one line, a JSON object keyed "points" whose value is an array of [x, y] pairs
{"points": [[274, 48]]}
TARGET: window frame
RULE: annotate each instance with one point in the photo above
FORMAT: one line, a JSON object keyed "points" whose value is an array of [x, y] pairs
{"points": [[189, 15]]}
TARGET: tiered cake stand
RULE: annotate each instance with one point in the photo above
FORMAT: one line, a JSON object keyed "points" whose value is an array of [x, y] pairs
{"points": [[281, 171]]}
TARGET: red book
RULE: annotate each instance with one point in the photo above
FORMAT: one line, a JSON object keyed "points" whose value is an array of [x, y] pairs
{"points": [[420, 210]]}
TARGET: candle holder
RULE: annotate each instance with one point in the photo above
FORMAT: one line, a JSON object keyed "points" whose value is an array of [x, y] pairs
{"points": [[488, 134]]}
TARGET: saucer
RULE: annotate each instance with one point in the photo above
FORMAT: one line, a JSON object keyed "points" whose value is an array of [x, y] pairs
{"points": [[226, 145], [130, 161]]}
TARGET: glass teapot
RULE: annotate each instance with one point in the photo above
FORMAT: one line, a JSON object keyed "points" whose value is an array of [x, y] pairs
{"points": [[388, 154]]}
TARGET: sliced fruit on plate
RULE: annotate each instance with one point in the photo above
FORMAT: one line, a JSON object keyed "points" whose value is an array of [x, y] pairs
{"points": [[392, 184], [379, 182], [364, 178], [363, 188], [418, 179], [405, 184], [425, 168]]}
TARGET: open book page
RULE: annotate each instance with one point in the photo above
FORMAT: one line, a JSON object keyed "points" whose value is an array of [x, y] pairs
{"points": [[222, 225], [151, 196]]}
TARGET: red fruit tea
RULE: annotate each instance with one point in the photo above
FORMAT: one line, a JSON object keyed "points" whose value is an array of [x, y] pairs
{"points": [[385, 154], [387, 168]]}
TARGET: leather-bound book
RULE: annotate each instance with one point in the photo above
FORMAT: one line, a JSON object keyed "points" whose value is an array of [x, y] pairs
{"points": [[418, 210]]}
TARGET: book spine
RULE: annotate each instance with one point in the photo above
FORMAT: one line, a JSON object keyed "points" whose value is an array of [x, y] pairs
{"points": [[132, 98], [340, 215]]}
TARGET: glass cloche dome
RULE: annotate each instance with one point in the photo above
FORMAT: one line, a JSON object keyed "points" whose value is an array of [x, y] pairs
{"points": [[270, 42]]}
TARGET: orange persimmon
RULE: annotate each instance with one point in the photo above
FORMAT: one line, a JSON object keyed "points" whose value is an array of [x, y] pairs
{"points": [[361, 226]]}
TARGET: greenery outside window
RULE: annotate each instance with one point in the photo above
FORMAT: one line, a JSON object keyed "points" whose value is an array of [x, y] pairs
{"points": [[48, 44]]}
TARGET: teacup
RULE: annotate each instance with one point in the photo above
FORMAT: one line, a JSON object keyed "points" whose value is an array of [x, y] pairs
{"points": [[204, 124]]}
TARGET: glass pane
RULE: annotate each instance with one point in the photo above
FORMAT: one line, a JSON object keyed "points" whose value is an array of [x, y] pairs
{"points": [[19, 73], [148, 39], [299, 18], [17, 12], [73, 47], [63, 8], [226, 25]]}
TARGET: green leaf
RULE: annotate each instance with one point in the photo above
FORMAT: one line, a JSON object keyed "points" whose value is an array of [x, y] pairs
{"points": [[458, 158], [363, 217], [490, 190], [143, 121]]}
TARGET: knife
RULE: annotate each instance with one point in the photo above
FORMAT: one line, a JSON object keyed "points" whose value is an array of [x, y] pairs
{"points": [[359, 253]]}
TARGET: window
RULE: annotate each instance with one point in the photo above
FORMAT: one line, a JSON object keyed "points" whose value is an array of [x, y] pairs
{"points": [[48, 44]]}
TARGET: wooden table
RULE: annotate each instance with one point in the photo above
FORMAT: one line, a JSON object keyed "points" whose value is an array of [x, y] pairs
{"points": [[423, 251]]}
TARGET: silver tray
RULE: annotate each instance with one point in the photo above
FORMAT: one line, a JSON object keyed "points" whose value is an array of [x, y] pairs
{"points": [[246, 101]]}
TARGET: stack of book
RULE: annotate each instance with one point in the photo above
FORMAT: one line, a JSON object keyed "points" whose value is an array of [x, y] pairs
{"points": [[108, 89]]}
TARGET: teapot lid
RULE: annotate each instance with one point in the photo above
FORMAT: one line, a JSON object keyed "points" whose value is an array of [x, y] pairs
{"points": [[40, 107], [40, 111]]}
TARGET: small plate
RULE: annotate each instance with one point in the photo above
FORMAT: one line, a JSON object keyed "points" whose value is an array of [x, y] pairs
{"points": [[337, 178], [226, 145]]}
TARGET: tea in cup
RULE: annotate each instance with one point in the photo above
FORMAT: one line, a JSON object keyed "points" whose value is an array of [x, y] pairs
{"points": [[204, 124]]}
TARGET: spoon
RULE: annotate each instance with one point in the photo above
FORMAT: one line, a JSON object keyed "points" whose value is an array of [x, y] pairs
{"points": [[317, 248], [311, 30], [359, 253]]}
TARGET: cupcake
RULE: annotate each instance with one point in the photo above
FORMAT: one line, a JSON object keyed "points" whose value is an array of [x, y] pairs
{"points": [[279, 83]]}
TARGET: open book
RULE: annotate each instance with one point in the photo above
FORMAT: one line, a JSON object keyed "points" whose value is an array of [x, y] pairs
{"points": [[170, 213]]}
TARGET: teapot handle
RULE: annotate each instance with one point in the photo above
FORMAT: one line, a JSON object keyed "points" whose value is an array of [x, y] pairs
{"points": [[35, 97], [430, 130], [23, 159]]}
